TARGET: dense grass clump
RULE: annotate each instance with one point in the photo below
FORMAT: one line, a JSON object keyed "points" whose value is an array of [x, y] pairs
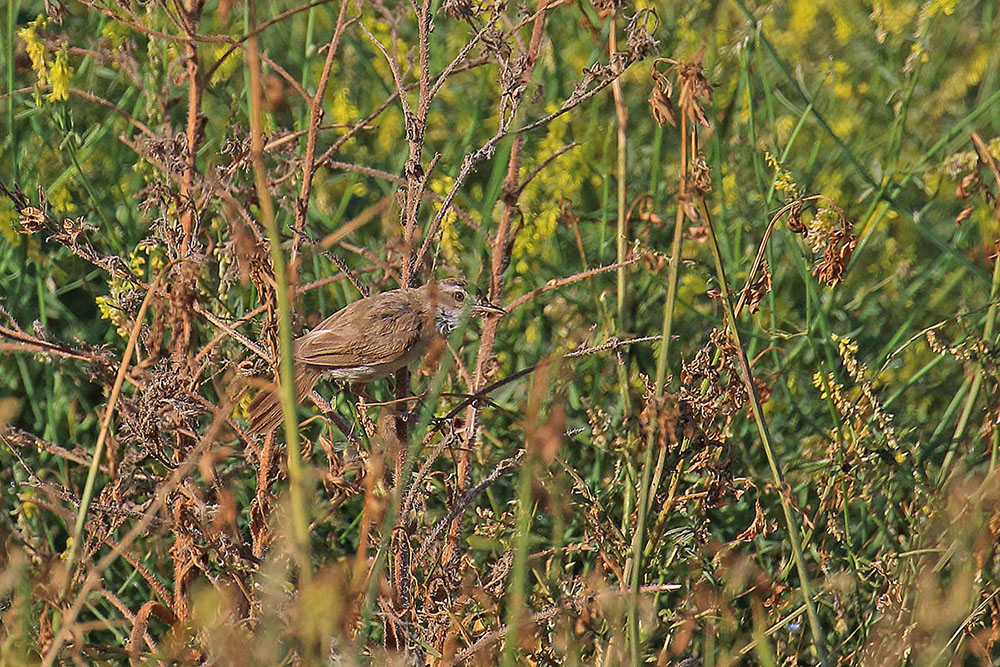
{"points": [[743, 406]]}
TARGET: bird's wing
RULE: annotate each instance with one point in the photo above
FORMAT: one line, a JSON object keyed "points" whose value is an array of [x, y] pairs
{"points": [[377, 330]]}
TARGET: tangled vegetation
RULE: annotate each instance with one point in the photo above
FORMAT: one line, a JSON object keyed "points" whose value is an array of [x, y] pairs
{"points": [[743, 406]]}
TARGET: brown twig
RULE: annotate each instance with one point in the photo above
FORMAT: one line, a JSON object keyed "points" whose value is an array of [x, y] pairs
{"points": [[569, 280], [309, 163]]}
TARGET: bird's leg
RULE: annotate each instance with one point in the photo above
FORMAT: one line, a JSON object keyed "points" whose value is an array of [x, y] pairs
{"points": [[401, 405], [357, 388]]}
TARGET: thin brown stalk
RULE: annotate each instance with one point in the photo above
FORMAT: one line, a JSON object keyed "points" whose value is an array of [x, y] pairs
{"points": [[569, 280], [296, 475], [309, 163], [498, 256], [393, 178], [621, 116]]}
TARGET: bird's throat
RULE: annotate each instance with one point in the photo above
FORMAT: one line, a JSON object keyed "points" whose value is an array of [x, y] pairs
{"points": [[446, 322]]}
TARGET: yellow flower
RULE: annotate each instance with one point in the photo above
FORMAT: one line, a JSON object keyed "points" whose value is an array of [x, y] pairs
{"points": [[115, 33], [60, 74], [945, 6], [28, 508], [450, 244], [803, 17], [104, 307], [841, 28], [342, 110], [390, 129], [62, 200], [242, 407], [783, 181], [35, 48], [543, 197], [136, 262]]}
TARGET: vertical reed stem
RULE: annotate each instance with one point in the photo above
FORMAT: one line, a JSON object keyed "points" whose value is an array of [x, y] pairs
{"points": [[296, 481], [765, 436]]}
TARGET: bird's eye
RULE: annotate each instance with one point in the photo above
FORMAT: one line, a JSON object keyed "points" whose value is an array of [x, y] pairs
{"points": [[459, 297]]}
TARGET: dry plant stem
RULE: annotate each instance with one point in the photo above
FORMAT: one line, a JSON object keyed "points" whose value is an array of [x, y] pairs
{"points": [[498, 262], [39, 346], [138, 629], [621, 114], [466, 501], [491, 638], [497, 258], [392, 515], [569, 280], [315, 118], [985, 157], [191, 10], [11, 435], [393, 178], [289, 136], [759, 259], [138, 124], [661, 372], [95, 462], [229, 331], [416, 175], [765, 436], [427, 95], [473, 399], [296, 481]]}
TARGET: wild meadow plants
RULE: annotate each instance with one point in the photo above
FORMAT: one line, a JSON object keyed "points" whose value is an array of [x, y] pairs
{"points": [[743, 407]]}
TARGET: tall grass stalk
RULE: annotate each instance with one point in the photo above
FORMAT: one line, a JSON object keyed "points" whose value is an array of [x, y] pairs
{"points": [[765, 436], [519, 569], [296, 481], [621, 116], [638, 536], [991, 313]]}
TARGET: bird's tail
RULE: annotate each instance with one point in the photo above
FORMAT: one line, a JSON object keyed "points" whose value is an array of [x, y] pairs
{"points": [[265, 408]]}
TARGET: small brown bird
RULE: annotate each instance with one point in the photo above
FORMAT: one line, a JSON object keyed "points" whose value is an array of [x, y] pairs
{"points": [[370, 339]]}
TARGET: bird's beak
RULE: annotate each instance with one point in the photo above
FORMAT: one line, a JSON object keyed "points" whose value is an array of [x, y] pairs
{"points": [[484, 307]]}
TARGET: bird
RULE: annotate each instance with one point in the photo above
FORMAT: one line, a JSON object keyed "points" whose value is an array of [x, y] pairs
{"points": [[370, 339]]}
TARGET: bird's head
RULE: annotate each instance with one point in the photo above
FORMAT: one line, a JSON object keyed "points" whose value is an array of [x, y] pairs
{"points": [[451, 301]]}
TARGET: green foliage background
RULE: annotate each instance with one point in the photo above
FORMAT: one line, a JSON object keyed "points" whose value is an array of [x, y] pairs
{"points": [[870, 104]]}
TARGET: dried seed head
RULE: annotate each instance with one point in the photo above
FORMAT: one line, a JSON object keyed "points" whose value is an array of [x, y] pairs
{"points": [[639, 33], [606, 7], [460, 10], [760, 286]]}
